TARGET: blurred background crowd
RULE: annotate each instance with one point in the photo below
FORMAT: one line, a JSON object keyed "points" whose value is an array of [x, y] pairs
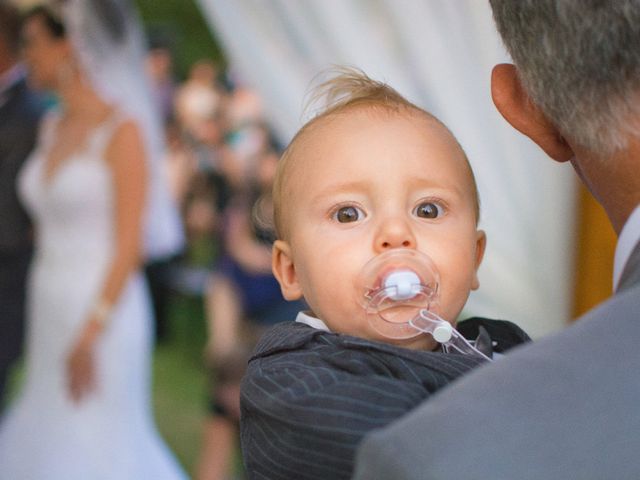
{"points": [[219, 163]]}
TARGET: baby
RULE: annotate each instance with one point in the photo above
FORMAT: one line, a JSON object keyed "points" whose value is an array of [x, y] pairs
{"points": [[370, 174]]}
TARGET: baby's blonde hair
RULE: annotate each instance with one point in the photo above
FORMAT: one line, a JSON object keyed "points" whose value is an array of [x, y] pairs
{"points": [[349, 88]]}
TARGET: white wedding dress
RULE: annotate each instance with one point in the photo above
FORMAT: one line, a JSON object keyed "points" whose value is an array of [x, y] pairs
{"points": [[110, 434]]}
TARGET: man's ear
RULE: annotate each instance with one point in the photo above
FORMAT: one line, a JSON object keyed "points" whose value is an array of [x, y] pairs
{"points": [[285, 271], [481, 245], [517, 108]]}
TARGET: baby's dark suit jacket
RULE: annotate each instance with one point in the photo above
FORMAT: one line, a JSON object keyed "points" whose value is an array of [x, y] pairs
{"points": [[309, 396]]}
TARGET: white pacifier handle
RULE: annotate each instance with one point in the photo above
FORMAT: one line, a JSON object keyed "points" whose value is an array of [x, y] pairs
{"points": [[444, 333], [405, 284]]}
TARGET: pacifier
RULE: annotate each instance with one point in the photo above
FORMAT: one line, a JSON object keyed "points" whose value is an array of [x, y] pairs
{"points": [[401, 299], [396, 285]]}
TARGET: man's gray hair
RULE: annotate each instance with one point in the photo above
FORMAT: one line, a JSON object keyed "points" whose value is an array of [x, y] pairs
{"points": [[579, 61]]}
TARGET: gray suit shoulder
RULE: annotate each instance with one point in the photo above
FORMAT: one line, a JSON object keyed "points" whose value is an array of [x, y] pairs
{"points": [[563, 407]]}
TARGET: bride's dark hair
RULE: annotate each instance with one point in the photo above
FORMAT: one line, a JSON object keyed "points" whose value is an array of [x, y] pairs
{"points": [[110, 11], [51, 19]]}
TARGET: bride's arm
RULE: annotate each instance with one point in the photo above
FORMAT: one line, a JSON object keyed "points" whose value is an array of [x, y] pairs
{"points": [[126, 158]]}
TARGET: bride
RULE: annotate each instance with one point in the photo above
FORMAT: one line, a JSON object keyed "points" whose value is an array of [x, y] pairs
{"points": [[90, 185]]}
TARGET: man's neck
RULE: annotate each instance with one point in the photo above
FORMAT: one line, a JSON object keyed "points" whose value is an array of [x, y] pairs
{"points": [[614, 180]]}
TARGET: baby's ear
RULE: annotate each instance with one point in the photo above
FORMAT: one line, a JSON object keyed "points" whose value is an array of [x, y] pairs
{"points": [[481, 244], [285, 271]]}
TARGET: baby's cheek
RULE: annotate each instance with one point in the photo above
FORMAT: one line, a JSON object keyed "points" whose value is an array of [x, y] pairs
{"points": [[453, 301], [344, 316]]}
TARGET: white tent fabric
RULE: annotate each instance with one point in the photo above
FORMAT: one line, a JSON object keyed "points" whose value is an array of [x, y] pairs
{"points": [[439, 54]]}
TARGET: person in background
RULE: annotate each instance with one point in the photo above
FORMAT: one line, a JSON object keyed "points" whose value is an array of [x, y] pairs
{"points": [[20, 111], [159, 67], [160, 272], [198, 99], [565, 406], [84, 409], [243, 298]]}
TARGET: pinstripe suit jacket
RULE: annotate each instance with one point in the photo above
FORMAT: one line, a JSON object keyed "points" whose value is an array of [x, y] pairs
{"points": [[309, 396]]}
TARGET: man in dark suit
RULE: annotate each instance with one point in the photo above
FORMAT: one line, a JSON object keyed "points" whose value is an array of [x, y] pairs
{"points": [[565, 406], [19, 115]]}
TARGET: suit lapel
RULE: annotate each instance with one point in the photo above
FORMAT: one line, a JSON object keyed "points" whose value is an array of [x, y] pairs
{"points": [[8, 96], [631, 273]]}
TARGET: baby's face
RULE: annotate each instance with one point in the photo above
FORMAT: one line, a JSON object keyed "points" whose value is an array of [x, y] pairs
{"points": [[365, 182]]}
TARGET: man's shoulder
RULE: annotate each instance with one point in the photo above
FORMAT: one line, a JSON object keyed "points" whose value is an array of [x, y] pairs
{"points": [[572, 392]]}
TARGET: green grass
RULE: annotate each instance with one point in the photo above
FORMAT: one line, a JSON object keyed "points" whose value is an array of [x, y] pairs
{"points": [[180, 381], [178, 404]]}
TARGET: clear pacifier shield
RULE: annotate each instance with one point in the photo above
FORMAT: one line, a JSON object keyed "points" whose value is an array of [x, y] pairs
{"points": [[396, 286]]}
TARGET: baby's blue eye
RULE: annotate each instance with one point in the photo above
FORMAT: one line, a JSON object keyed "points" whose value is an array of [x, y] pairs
{"points": [[348, 214], [428, 210]]}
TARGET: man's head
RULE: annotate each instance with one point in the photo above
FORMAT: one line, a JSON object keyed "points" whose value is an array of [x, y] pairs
{"points": [[373, 172], [579, 61], [575, 89], [9, 35], [46, 48]]}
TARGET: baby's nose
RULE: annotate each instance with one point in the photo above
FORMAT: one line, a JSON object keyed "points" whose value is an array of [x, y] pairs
{"points": [[394, 233]]}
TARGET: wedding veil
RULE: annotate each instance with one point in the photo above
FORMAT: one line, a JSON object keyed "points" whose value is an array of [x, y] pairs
{"points": [[111, 49]]}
